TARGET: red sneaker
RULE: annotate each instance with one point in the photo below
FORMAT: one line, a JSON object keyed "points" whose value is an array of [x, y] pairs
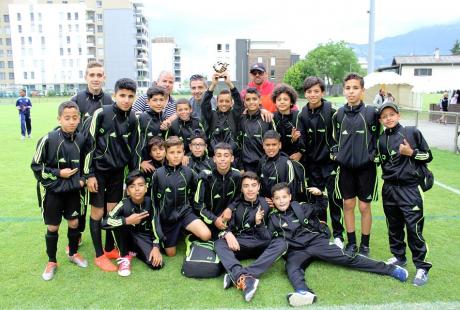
{"points": [[114, 254], [50, 271], [105, 264]]}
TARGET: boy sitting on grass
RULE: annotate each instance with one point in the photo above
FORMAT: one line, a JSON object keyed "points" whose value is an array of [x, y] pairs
{"points": [[136, 226], [308, 239], [56, 166]]}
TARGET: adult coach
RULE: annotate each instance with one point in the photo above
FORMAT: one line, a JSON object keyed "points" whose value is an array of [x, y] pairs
{"points": [[165, 80], [198, 86], [259, 81]]}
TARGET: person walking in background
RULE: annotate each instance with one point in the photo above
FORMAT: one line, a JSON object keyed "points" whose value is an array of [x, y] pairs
{"points": [[379, 98], [389, 98], [443, 106], [23, 104]]}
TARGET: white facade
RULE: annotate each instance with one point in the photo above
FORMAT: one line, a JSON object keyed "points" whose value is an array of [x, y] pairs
{"points": [[49, 43], [166, 56], [224, 51], [441, 77]]}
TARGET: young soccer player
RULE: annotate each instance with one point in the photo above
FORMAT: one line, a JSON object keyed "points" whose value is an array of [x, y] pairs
{"points": [[252, 129], [136, 226], [356, 130], [113, 135], [316, 129], [403, 151], [156, 158], [56, 166], [173, 187], [222, 124], [247, 237], [308, 239], [217, 188], [23, 104], [275, 167], [198, 159], [287, 121], [150, 124]]}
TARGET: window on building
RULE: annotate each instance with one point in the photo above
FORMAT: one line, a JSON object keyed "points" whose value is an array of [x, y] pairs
{"points": [[8, 41], [2, 64], [99, 4], [79, 51], [49, 1], [272, 61], [43, 40], [23, 63], [65, 1], [39, 17], [7, 30], [18, 16], [2, 76], [19, 28], [11, 76], [423, 72], [69, 27], [25, 75], [227, 47], [69, 51], [69, 16], [260, 59], [6, 18], [76, 15], [64, 62], [32, 75], [68, 39], [40, 28], [219, 47], [80, 74], [1, 41], [100, 40], [1, 53], [9, 53], [99, 28], [60, 28], [77, 27], [23, 41], [70, 62], [10, 64], [100, 52], [30, 40], [99, 17], [61, 51], [272, 73], [32, 17]]}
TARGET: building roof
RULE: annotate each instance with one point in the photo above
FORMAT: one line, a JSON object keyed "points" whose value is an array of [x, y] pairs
{"points": [[426, 60]]}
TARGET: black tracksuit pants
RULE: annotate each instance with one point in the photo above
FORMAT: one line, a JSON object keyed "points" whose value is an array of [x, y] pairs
{"points": [[266, 253], [316, 179], [319, 248], [139, 242], [83, 210], [403, 207]]}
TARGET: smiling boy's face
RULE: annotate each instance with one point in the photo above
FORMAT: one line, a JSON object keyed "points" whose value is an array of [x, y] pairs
{"points": [[282, 199]]}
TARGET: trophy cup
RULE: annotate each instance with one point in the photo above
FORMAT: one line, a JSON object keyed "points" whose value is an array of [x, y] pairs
{"points": [[220, 67]]}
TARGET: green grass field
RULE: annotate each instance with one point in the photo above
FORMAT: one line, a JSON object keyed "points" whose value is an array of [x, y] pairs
{"points": [[23, 252]]}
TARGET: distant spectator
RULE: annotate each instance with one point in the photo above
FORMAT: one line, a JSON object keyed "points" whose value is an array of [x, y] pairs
{"points": [[23, 104], [389, 98], [454, 99], [443, 106], [379, 98]]}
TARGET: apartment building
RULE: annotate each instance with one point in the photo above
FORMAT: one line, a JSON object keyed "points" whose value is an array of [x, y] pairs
{"points": [[166, 56]]}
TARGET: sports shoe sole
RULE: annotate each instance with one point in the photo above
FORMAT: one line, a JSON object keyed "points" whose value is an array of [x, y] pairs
{"points": [[248, 296], [298, 300]]}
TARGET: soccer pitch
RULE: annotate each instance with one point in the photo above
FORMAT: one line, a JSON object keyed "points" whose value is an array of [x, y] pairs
{"points": [[23, 251]]}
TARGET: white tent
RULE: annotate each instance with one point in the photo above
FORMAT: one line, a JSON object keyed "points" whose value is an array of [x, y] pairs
{"points": [[401, 88]]}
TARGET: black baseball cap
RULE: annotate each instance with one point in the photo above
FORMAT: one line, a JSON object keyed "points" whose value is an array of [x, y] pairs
{"points": [[258, 67], [389, 105], [197, 133]]}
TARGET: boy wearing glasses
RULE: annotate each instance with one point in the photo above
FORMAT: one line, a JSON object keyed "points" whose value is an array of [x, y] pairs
{"points": [[198, 157]]}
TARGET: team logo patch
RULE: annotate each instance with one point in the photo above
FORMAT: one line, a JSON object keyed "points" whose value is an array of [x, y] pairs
{"points": [[373, 128], [345, 132], [217, 196], [101, 130]]}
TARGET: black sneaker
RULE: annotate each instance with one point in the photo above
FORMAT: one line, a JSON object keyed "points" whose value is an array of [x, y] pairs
{"points": [[351, 249], [249, 286], [397, 261], [227, 281], [364, 250]]}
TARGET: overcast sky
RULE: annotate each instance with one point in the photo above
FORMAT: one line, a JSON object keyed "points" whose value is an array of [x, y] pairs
{"points": [[198, 24]]}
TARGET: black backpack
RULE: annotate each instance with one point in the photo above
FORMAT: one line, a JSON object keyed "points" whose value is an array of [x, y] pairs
{"points": [[201, 261], [426, 180]]}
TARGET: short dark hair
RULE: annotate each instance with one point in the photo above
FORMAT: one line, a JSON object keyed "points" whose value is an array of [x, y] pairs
{"points": [[252, 90], [354, 76], [155, 141], [250, 175], [183, 101], [223, 146], [173, 141], [285, 89], [125, 83], [67, 105], [22, 89], [223, 92], [311, 81], [198, 77], [133, 176], [155, 90], [280, 186], [271, 134]]}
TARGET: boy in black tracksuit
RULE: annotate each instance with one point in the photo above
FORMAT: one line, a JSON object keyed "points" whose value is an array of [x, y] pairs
{"points": [[217, 188], [222, 125], [308, 239], [247, 237], [356, 130], [150, 124], [287, 121], [184, 125], [173, 187], [56, 166], [198, 159], [275, 167], [252, 130], [136, 225], [113, 137], [156, 158], [403, 151], [316, 132]]}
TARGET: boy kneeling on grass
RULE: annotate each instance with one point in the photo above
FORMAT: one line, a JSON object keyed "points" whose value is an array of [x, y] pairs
{"points": [[56, 166], [403, 151], [307, 239], [136, 225]]}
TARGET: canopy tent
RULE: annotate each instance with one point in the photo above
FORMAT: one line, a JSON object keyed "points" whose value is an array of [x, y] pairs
{"points": [[401, 88]]}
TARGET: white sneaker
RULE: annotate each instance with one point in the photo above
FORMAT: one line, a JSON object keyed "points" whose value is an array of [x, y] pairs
{"points": [[298, 299], [124, 266], [338, 242], [421, 277], [23, 138], [78, 260], [50, 271]]}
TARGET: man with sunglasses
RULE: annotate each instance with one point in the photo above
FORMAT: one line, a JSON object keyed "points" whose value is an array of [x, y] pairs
{"points": [[259, 81]]}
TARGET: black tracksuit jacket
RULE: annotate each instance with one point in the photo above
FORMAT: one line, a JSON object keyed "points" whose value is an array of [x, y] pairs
{"points": [[284, 125], [215, 192], [199, 164], [149, 225], [184, 130], [55, 151], [88, 103], [149, 123], [172, 191], [356, 136], [220, 126], [114, 140], [402, 170]]}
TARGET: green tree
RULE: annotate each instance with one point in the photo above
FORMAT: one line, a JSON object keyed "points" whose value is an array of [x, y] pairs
{"points": [[330, 61], [456, 48]]}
